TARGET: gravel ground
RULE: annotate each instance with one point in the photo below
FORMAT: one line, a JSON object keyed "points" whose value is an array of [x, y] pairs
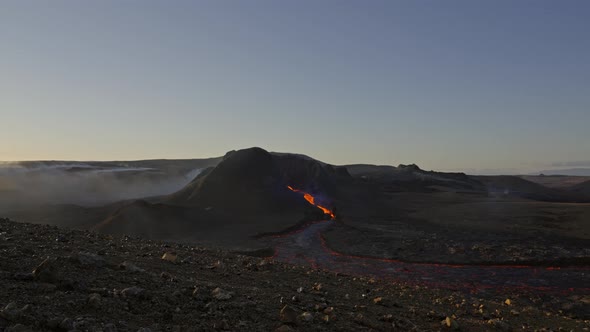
{"points": [[62, 280]]}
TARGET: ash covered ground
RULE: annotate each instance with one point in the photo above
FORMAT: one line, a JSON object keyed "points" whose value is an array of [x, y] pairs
{"points": [[63, 280]]}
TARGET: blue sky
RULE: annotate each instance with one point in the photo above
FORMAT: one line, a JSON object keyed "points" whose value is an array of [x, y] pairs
{"points": [[449, 85]]}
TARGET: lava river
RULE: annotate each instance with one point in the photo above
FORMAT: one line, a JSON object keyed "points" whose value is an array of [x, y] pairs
{"points": [[307, 247], [312, 200]]}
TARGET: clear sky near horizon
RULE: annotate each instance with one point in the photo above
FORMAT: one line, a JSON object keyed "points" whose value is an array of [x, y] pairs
{"points": [[449, 85]]}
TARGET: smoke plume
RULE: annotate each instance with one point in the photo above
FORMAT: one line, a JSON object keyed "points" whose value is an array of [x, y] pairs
{"points": [[84, 184]]}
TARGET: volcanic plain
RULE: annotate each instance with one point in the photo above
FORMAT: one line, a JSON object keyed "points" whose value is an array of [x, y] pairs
{"points": [[347, 247]]}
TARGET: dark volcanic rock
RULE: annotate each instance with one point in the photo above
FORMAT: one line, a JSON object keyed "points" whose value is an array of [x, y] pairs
{"points": [[244, 195], [196, 298], [47, 271], [288, 315], [247, 180]]}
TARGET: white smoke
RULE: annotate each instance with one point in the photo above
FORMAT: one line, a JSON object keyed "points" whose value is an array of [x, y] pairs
{"points": [[84, 184]]}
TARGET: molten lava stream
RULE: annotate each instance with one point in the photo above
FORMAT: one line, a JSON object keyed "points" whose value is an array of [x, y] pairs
{"points": [[308, 247], [308, 197]]}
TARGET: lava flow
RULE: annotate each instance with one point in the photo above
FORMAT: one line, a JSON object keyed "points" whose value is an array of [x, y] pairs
{"points": [[308, 197], [307, 247]]}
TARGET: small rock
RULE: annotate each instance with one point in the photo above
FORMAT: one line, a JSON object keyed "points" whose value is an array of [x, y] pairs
{"points": [[499, 324], [320, 307], [359, 318], [263, 263], [46, 271], [217, 265], [131, 267], [284, 328], [170, 257], [133, 292], [201, 294], [288, 315], [378, 300], [89, 259], [387, 318], [221, 294], [450, 323], [94, 300], [306, 317], [66, 324], [508, 302], [11, 312]]}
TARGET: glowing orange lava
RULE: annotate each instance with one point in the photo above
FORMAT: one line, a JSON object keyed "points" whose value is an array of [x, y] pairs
{"points": [[308, 197]]}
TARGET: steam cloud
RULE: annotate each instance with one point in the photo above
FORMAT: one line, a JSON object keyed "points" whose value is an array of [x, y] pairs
{"points": [[84, 184]]}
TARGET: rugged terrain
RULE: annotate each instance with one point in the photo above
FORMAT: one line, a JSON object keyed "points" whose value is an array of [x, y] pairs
{"points": [[355, 247], [63, 280], [402, 212]]}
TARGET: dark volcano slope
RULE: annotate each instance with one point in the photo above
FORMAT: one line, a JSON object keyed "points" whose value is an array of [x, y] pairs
{"points": [[246, 181], [244, 195], [253, 180], [143, 219], [311, 175]]}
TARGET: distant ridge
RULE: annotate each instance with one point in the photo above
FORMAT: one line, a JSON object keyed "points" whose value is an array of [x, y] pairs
{"points": [[569, 171]]}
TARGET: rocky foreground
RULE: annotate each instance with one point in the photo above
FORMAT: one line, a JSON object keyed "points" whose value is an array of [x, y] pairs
{"points": [[61, 280]]}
